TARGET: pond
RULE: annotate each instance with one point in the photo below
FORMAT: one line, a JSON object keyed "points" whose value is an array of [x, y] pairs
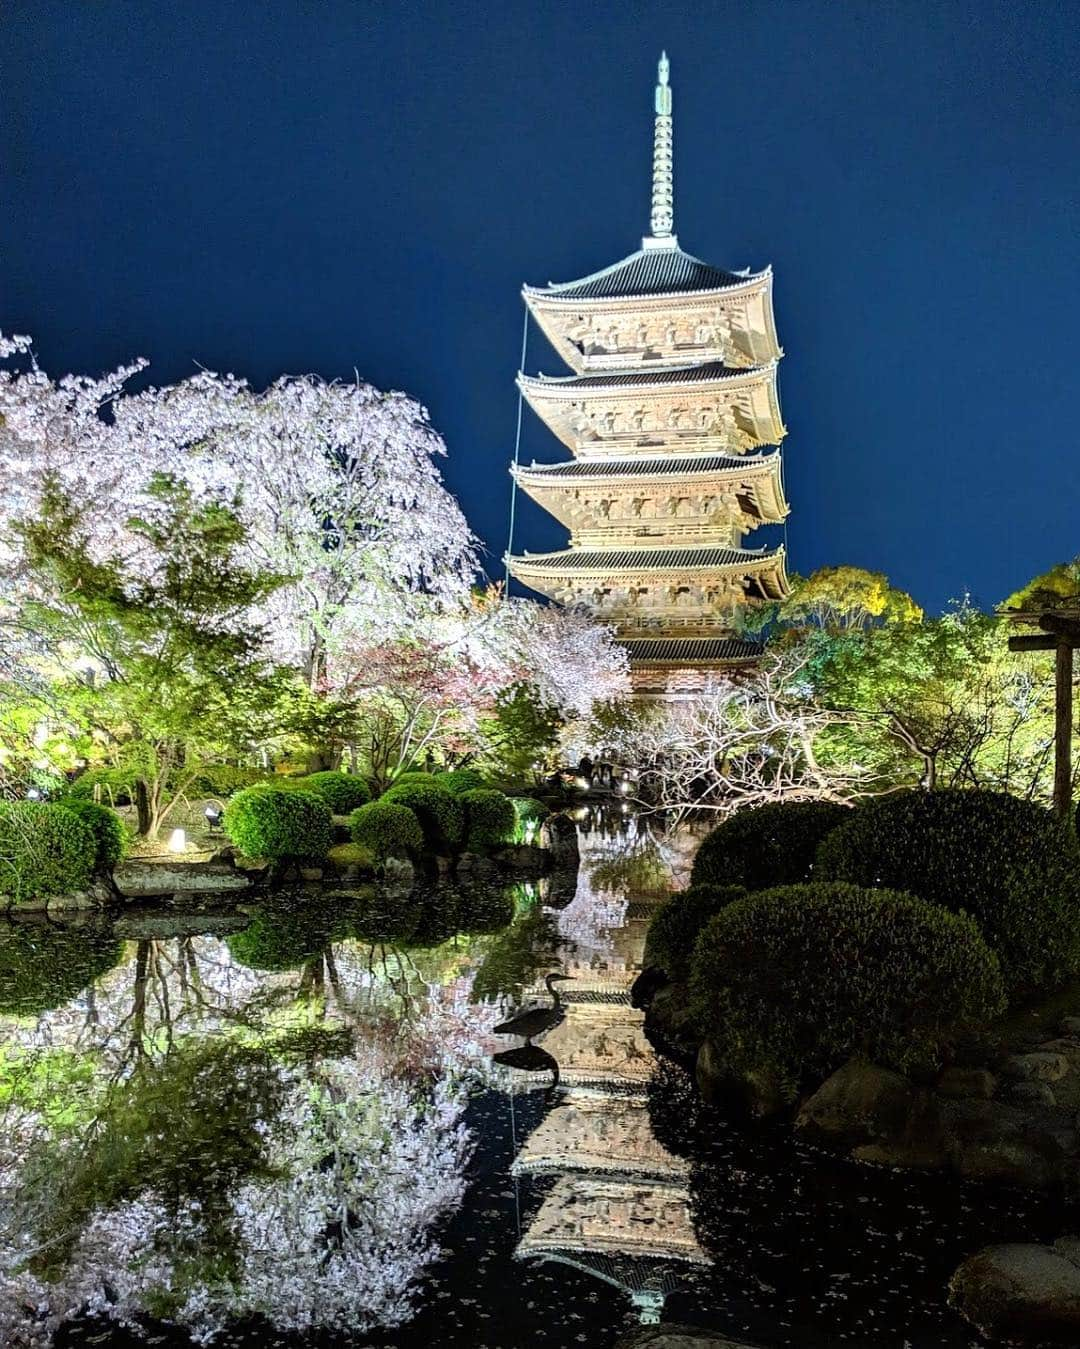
{"points": [[287, 1126]]}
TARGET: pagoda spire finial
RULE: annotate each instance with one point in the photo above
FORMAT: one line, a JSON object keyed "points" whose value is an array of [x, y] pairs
{"points": [[662, 219]]}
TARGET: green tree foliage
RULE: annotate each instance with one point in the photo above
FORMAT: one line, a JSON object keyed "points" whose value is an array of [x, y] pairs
{"points": [[769, 845], [802, 977], [489, 819], [1053, 589], [279, 825], [110, 836], [168, 666], [942, 702], [521, 733], [387, 829], [675, 926], [839, 599], [1008, 863], [45, 850]]}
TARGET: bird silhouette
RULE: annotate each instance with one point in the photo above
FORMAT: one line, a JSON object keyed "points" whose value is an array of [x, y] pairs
{"points": [[535, 1020], [529, 1058]]}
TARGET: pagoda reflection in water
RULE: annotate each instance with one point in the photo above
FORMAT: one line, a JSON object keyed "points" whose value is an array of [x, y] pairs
{"points": [[619, 1204]]}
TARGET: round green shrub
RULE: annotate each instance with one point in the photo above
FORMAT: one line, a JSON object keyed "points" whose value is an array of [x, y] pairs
{"points": [[530, 814], [414, 775], [117, 785], [441, 815], [675, 925], [43, 965], [1008, 863], [804, 976], [44, 850], [489, 819], [769, 845], [342, 792], [386, 829], [279, 824], [459, 780], [110, 836]]}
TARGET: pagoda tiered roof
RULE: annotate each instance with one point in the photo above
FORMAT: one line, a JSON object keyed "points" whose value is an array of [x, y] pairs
{"points": [[691, 650], [613, 495], [652, 271], [757, 562], [705, 407]]}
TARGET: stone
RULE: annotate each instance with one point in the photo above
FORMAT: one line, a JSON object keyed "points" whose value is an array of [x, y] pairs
{"points": [[558, 834], [1069, 1247], [1036, 1067], [398, 873], [1070, 1026], [1032, 1093], [311, 873], [860, 1103], [523, 857], [1068, 1046], [135, 926], [672, 1335], [1019, 1292], [997, 1141], [967, 1082], [140, 877]]}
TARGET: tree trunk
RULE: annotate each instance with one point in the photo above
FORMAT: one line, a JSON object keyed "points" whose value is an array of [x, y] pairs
{"points": [[142, 809]]}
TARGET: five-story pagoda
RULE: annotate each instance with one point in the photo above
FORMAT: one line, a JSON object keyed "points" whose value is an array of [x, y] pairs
{"points": [[669, 412]]}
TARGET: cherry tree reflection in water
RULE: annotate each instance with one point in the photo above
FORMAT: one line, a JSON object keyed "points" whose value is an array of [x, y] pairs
{"points": [[213, 1131]]}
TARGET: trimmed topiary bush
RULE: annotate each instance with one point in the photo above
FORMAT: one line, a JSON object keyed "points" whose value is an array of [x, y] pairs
{"points": [[530, 814], [441, 815], [280, 937], [110, 836], [769, 845], [804, 976], [342, 792], [459, 780], [1008, 863], [44, 850], [489, 819], [386, 829], [117, 784], [676, 924], [279, 824]]}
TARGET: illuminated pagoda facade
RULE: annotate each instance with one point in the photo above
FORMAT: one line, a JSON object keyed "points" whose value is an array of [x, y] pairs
{"points": [[673, 419]]}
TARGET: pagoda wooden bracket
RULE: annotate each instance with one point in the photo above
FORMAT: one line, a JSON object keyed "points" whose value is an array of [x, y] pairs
{"points": [[1060, 634]]}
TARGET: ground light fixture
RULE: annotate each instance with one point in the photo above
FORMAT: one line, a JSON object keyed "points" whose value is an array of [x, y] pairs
{"points": [[214, 815], [177, 840]]}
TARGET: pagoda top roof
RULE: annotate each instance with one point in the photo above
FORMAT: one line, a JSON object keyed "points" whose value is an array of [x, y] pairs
{"points": [[650, 468], [647, 559], [706, 373], [683, 649], [660, 269]]}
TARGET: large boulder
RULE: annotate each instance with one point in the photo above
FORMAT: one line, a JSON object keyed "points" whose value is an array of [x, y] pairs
{"points": [[860, 1103], [674, 1336], [558, 834], [1002, 1142], [138, 879], [1024, 1293]]}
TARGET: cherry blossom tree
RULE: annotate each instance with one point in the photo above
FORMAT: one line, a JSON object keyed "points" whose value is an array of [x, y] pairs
{"points": [[748, 740]]}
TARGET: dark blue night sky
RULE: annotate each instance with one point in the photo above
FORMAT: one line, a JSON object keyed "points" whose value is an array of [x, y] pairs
{"points": [[264, 187]]}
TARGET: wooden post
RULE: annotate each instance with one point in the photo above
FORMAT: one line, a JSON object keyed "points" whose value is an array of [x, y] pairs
{"points": [[1063, 729]]}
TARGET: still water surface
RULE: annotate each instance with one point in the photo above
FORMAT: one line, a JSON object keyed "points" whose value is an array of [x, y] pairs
{"points": [[285, 1127]]}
